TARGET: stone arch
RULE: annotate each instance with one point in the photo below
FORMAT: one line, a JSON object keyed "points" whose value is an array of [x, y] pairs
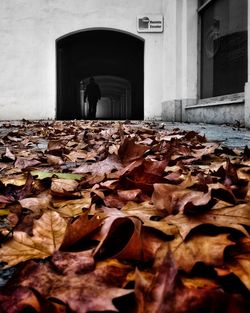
{"points": [[113, 57]]}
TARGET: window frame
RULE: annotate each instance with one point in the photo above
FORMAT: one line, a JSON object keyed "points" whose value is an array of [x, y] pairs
{"points": [[228, 98]]}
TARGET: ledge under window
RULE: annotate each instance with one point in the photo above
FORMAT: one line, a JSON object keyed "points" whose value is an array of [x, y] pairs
{"points": [[236, 98]]}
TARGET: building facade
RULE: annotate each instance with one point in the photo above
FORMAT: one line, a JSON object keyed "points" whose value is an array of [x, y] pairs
{"points": [[175, 60]]}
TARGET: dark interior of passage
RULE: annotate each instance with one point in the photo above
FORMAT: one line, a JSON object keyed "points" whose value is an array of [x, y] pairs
{"points": [[100, 53]]}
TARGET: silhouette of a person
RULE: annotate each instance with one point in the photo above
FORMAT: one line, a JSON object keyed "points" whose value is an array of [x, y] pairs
{"points": [[93, 94]]}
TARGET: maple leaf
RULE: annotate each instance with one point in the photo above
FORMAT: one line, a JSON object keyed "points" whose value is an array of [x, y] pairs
{"points": [[48, 235]]}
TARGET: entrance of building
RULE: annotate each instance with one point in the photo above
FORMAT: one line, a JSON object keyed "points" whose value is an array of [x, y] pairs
{"points": [[116, 61]]}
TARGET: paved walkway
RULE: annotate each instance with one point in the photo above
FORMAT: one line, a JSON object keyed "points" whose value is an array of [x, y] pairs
{"points": [[229, 136]]}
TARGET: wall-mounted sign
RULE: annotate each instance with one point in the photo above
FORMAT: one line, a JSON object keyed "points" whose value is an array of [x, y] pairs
{"points": [[150, 23]]}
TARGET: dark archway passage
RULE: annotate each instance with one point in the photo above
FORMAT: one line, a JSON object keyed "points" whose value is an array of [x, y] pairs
{"points": [[99, 53]]}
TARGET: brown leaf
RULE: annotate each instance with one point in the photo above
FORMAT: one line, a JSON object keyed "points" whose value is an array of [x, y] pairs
{"points": [[90, 291], [199, 248], [75, 156], [72, 207], [24, 163], [9, 155], [36, 204], [232, 217], [239, 262], [54, 160], [174, 198], [48, 234], [123, 240], [130, 151], [144, 210], [61, 186], [106, 166], [21, 299], [55, 145], [73, 262], [163, 292], [79, 229], [129, 195]]}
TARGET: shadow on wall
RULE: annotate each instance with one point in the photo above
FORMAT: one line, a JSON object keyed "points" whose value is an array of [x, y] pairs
{"points": [[115, 59]]}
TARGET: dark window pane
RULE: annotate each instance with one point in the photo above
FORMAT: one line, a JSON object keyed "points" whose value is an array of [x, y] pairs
{"points": [[223, 48], [201, 2]]}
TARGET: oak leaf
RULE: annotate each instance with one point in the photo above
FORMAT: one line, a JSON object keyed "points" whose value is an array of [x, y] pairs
{"points": [[80, 228], [199, 248], [36, 204], [238, 262], [72, 207], [84, 291], [162, 291], [22, 299], [60, 186], [230, 216], [106, 166], [144, 210], [130, 151]]}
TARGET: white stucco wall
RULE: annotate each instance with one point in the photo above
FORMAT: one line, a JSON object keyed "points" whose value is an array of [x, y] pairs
{"points": [[29, 29], [179, 58]]}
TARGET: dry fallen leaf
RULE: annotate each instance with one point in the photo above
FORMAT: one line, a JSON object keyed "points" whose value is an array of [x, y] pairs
{"points": [[172, 207], [48, 235], [199, 248], [87, 290], [79, 228]]}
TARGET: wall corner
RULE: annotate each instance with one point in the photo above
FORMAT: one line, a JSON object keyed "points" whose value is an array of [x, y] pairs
{"points": [[247, 105], [172, 110]]}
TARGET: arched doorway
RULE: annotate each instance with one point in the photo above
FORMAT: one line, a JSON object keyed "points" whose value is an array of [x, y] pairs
{"points": [[115, 59]]}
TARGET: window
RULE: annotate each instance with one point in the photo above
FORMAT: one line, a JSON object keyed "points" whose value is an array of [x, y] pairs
{"points": [[223, 47]]}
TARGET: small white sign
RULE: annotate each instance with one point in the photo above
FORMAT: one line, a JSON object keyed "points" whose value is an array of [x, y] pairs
{"points": [[150, 23]]}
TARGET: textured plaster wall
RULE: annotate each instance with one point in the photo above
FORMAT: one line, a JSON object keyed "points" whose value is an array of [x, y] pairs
{"points": [[24, 60], [28, 32], [180, 58]]}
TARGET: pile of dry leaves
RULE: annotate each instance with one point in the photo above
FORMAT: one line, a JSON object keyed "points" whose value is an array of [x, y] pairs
{"points": [[116, 217]]}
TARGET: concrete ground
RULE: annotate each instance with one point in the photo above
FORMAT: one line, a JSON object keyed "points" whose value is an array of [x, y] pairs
{"points": [[230, 136]]}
